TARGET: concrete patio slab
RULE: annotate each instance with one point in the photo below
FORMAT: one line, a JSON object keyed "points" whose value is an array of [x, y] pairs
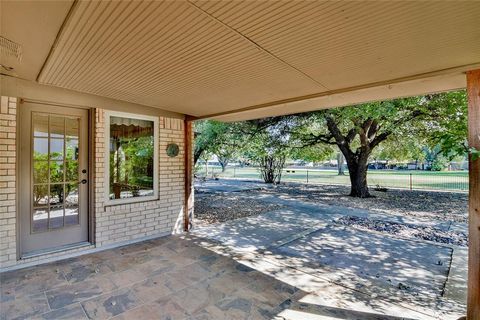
{"points": [[420, 268], [227, 185], [351, 265], [321, 294], [259, 232]]}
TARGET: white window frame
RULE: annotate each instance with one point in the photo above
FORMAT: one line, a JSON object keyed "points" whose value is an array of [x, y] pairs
{"points": [[107, 116]]}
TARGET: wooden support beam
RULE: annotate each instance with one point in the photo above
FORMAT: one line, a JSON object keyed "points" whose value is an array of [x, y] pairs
{"points": [[188, 155], [473, 298]]}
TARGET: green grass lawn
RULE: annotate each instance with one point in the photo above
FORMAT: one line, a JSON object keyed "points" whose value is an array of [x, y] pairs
{"points": [[428, 180]]}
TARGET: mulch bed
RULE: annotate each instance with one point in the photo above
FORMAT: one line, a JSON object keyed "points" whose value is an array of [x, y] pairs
{"points": [[221, 207], [445, 206], [407, 230]]}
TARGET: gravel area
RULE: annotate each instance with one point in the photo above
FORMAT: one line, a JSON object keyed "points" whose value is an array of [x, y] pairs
{"points": [[406, 230], [221, 207], [445, 206]]}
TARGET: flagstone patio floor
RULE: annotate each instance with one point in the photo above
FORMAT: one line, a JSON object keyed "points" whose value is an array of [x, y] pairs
{"points": [[166, 278], [174, 277]]}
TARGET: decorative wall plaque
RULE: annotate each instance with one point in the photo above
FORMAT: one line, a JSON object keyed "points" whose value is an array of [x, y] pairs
{"points": [[172, 150]]}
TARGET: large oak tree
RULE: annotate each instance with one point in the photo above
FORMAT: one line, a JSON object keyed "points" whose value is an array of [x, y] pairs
{"points": [[406, 124], [357, 130]]}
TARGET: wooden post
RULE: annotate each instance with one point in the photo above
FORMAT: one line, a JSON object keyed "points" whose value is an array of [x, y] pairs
{"points": [[188, 154], [473, 298]]}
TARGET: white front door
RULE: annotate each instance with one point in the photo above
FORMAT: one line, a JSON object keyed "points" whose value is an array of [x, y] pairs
{"points": [[53, 177]]}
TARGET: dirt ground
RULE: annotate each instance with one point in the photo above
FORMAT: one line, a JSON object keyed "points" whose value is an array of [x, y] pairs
{"points": [[221, 207], [445, 206], [434, 206]]}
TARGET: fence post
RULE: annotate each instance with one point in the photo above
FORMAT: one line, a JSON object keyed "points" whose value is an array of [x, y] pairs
{"points": [[411, 184], [234, 170], [307, 175]]}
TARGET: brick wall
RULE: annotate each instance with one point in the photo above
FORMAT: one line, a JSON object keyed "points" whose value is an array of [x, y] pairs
{"points": [[113, 224], [125, 222], [8, 125]]}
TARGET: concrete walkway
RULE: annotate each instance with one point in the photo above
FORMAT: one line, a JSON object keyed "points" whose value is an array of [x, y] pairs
{"points": [[402, 275], [227, 185]]}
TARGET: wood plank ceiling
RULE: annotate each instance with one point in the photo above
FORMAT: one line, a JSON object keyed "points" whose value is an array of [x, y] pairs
{"points": [[207, 57]]}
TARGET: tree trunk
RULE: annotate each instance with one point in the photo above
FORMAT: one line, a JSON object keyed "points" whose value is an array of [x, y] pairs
{"points": [[340, 162], [358, 178], [357, 161], [223, 165], [271, 168]]}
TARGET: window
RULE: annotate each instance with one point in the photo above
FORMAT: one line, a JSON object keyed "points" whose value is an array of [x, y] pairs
{"points": [[132, 157]]}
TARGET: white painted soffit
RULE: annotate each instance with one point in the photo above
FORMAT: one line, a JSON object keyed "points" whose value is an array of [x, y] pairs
{"points": [[209, 58], [33, 26]]}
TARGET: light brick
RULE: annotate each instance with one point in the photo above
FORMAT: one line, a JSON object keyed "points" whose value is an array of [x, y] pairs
{"points": [[114, 224]]}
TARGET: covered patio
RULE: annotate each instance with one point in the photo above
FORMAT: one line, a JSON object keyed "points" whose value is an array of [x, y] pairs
{"points": [[183, 278], [70, 70], [168, 278]]}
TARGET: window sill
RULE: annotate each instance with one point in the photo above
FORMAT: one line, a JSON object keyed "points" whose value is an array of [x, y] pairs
{"points": [[111, 203]]}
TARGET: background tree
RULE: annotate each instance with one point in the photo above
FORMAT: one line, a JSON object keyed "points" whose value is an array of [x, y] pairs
{"points": [[340, 163], [225, 154], [268, 148], [314, 153], [358, 130], [259, 141], [209, 135], [450, 127], [398, 129], [228, 145]]}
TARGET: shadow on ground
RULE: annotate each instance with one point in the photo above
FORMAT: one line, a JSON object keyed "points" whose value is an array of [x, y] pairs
{"points": [[343, 267]]}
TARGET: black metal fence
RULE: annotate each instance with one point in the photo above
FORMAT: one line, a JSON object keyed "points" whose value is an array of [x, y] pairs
{"points": [[456, 181]]}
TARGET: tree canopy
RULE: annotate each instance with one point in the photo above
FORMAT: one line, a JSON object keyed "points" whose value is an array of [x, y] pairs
{"points": [[405, 128]]}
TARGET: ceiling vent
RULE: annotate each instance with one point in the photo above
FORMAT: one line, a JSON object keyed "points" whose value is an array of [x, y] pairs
{"points": [[10, 49]]}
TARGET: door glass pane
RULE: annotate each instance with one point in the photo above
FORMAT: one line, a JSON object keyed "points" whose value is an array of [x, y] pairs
{"points": [[57, 127], [40, 148], [72, 125], [56, 149], [40, 220], [40, 195], [72, 149], [71, 204], [40, 125], [56, 194], [56, 217], [40, 171], [71, 191], [72, 171], [55, 162], [56, 171]]}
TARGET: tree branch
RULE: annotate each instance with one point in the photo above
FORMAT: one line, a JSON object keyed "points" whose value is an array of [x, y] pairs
{"points": [[341, 142], [381, 137]]}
